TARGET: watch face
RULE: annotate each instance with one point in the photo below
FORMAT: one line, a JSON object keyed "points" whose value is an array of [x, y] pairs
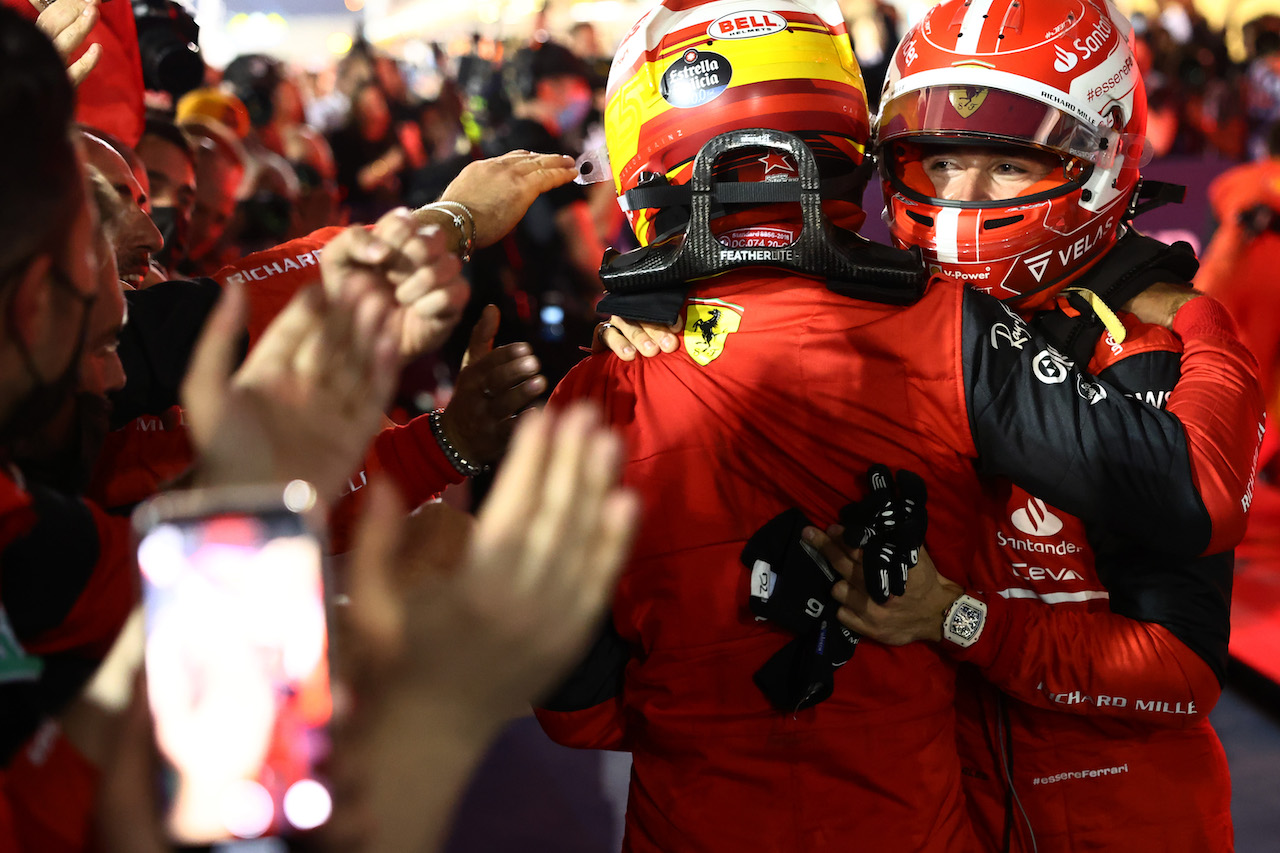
{"points": [[966, 620]]}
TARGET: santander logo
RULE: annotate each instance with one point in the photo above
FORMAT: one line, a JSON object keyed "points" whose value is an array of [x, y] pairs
{"points": [[1066, 59], [1035, 519]]}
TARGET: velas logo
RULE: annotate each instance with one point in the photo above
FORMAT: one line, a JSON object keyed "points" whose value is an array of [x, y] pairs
{"points": [[1035, 519], [1066, 59], [747, 25], [695, 78], [967, 99], [1038, 263]]}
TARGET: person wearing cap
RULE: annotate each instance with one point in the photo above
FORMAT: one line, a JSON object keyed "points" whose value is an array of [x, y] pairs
{"points": [[216, 122]]}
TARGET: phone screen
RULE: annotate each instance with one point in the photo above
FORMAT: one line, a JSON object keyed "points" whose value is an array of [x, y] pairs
{"points": [[237, 673]]}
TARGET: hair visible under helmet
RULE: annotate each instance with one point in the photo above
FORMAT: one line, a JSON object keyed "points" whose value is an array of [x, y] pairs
{"points": [[1057, 76], [688, 72]]}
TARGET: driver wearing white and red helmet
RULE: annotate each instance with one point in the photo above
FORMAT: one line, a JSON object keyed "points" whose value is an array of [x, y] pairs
{"points": [[1010, 150], [1009, 140]]}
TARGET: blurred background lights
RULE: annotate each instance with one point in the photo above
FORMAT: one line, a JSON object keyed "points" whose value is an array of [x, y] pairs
{"points": [[253, 32], [307, 804], [247, 809], [339, 44], [299, 496], [161, 555]]}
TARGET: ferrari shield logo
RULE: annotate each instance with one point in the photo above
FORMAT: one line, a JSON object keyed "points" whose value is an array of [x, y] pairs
{"points": [[707, 325], [967, 99]]}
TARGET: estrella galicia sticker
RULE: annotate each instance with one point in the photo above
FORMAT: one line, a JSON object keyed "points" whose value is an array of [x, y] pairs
{"points": [[697, 77]]}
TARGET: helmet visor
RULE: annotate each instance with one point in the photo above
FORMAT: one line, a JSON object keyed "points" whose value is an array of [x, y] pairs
{"points": [[983, 114]]}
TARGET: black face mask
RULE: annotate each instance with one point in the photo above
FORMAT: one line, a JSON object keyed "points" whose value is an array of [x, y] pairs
{"points": [[46, 398], [174, 227]]}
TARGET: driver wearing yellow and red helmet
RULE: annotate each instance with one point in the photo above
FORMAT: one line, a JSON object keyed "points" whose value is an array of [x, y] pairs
{"points": [[1010, 139], [785, 393]]}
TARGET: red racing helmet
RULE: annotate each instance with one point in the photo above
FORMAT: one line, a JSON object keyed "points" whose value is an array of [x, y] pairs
{"points": [[689, 71], [1058, 77]]}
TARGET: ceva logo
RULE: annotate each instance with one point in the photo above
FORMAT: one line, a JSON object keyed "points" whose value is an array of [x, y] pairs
{"points": [[1035, 519], [1066, 59]]}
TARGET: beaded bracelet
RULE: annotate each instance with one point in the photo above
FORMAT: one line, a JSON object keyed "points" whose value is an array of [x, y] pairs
{"points": [[457, 460]]}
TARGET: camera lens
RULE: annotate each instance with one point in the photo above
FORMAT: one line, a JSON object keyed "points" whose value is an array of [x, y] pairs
{"points": [[167, 36]]}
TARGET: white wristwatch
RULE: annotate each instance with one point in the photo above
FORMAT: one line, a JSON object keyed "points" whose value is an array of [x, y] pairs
{"points": [[962, 622]]}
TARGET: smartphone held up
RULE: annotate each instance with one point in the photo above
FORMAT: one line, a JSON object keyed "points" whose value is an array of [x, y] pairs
{"points": [[237, 660]]}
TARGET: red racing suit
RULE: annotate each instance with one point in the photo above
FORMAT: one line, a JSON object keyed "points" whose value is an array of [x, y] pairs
{"points": [[1097, 716], [784, 395]]}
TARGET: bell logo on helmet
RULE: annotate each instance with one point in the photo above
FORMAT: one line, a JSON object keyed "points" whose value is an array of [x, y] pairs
{"points": [[695, 78], [1066, 59], [967, 99], [1035, 519], [747, 25]]}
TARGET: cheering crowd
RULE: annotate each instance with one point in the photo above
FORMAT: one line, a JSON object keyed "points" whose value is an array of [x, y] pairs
{"points": [[921, 547]]}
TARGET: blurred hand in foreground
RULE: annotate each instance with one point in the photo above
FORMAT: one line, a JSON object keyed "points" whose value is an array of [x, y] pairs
{"points": [[444, 655], [310, 396]]}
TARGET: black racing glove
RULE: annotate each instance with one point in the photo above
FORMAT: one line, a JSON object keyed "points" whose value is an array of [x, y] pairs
{"points": [[790, 581], [802, 673], [791, 587], [889, 526]]}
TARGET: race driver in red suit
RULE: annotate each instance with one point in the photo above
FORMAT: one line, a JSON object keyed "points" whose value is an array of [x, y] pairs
{"points": [[1099, 659], [785, 393]]}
